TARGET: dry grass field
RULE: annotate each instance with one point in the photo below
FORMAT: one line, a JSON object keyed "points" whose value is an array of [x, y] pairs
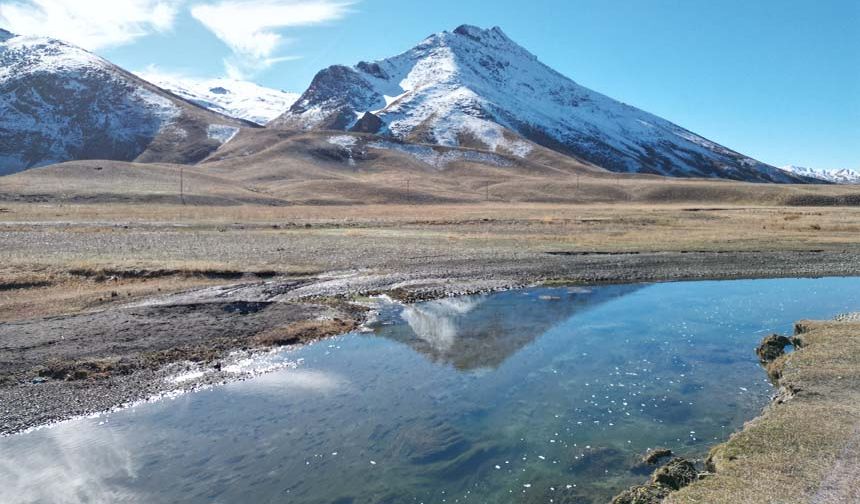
{"points": [[57, 257]]}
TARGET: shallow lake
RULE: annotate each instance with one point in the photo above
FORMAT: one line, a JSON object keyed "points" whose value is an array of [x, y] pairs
{"points": [[536, 395]]}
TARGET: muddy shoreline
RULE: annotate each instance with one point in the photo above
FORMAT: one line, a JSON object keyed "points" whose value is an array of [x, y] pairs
{"points": [[56, 368]]}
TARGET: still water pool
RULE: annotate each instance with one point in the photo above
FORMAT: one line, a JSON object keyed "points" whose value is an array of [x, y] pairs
{"points": [[536, 395]]}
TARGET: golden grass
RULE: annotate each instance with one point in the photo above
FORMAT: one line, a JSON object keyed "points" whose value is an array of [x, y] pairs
{"points": [[303, 332], [609, 227], [61, 295], [46, 242], [60, 287]]}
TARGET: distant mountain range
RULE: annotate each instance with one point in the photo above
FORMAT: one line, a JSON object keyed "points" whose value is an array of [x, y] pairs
{"points": [[469, 88], [477, 88], [837, 176], [239, 99], [59, 102]]}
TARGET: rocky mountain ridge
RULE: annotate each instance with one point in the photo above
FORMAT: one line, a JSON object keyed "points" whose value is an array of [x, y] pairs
{"points": [[477, 88]]}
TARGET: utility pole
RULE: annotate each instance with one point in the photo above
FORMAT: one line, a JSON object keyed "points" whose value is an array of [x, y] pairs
{"points": [[182, 183]]}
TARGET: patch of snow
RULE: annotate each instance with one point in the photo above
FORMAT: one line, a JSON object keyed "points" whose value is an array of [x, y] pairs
{"points": [[345, 141], [391, 99], [222, 133], [187, 376], [519, 148], [159, 106], [30, 54], [233, 98], [440, 160], [836, 176]]}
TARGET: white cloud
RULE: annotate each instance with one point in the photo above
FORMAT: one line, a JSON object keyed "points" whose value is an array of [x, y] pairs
{"points": [[250, 28], [92, 24]]}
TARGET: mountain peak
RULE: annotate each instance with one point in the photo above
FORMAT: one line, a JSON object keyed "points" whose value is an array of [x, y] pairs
{"points": [[469, 30], [234, 98], [477, 88], [479, 34], [490, 38], [61, 102], [836, 176], [5, 35]]}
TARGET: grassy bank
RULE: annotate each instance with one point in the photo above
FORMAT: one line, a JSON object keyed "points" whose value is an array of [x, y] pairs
{"points": [[805, 447]]}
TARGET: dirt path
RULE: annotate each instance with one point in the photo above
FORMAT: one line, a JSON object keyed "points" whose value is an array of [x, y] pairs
{"points": [[842, 483]]}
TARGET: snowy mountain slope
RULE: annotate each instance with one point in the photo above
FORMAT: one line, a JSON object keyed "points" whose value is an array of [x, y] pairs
{"points": [[234, 98], [837, 176], [59, 103], [477, 88]]}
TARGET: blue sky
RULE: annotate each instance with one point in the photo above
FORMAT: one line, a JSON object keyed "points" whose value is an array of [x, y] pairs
{"points": [[776, 80]]}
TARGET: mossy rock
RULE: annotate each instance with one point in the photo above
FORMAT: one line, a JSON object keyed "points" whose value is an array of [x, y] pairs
{"points": [[772, 347], [655, 456], [644, 494], [676, 474]]}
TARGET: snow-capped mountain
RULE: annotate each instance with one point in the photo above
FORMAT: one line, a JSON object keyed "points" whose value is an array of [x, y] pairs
{"points": [[477, 88], [836, 176], [234, 98], [59, 102]]}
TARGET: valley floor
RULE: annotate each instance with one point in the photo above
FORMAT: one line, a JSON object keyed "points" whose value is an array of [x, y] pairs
{"points": [[99, 304]]}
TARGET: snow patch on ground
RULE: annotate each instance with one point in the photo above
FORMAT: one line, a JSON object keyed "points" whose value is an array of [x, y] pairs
{"points": [[487, 132], [345, 141], [187, 376], [160, 107], [440, 160], [222, 133]]}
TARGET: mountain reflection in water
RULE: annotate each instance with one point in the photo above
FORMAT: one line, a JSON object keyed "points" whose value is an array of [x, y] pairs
{"points": [[482, 331]]}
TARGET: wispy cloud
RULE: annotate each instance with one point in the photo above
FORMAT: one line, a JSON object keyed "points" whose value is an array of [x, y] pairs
{"points": [[252, 28], [92, 24]]}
